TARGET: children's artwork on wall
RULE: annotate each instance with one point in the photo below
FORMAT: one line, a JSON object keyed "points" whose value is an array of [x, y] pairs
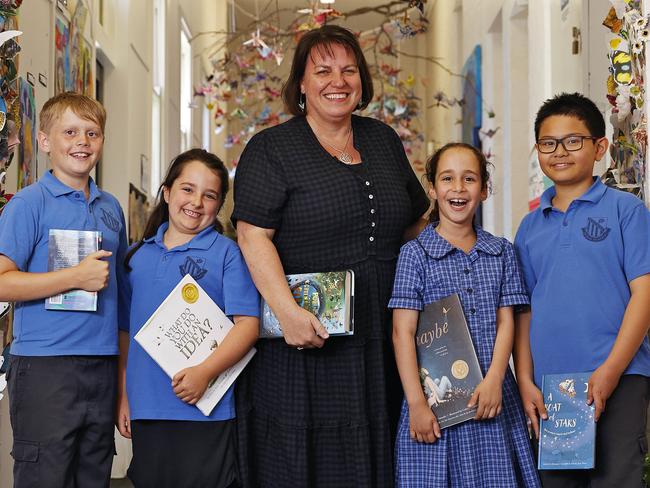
{"points": [[80, 53], [473, 108], [62, 80], [73, 65], [10, 120], [626, 93], [138, 213], [27, 149]]}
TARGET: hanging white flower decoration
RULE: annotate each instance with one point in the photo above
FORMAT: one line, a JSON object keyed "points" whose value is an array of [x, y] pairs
{"points": [[632, 16], [623, 103], [637, 47], [640, 23], [644, 35]]}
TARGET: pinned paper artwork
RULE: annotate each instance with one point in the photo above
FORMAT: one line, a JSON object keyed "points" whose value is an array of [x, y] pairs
{"points": [[626, 94], [73, 54], [27, 148], [62, 80], [10, 91]]}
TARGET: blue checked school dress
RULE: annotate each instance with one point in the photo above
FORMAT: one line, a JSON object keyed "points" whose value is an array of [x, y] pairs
{"points": [[326, 417], [474, 454]]}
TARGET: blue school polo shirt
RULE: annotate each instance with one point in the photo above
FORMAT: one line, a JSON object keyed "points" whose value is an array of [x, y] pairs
{"points": [[577, 267], [216, 263], [24, 233]]}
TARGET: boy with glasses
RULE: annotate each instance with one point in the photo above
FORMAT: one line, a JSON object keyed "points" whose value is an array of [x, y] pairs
{"points": [[585, 253]]}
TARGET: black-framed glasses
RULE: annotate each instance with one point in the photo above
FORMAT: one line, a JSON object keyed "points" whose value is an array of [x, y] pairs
{"points": [[548, 145]]}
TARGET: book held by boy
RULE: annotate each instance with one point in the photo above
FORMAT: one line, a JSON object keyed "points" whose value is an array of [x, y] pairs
{"points": [[567, 439], [329, 296], [183, 331], [448, 366], [65, 249]]}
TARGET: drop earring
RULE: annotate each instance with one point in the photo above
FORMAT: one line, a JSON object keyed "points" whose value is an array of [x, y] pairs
{"points": [[301, 102]]}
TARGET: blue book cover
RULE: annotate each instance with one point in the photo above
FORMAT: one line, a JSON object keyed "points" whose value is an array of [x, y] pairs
{"points": [[447, 362], [567, 439]]}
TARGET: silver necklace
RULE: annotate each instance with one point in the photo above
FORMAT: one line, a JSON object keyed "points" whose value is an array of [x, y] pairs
{"points": [[344, 156]]}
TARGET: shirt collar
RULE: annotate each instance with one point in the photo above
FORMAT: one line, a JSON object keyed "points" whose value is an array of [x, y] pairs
{"points": [[593, 194], [203, 240], [57, 188], [437, 247]]}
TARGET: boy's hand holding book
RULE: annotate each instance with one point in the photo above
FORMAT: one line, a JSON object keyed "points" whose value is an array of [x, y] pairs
{"points": [[92, 272], [189, 384], [533, 402], [423, 422], [602, 384], [488, 397]]}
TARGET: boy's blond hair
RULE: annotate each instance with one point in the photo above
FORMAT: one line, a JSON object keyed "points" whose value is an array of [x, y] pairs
{"points": [[85, 107]]}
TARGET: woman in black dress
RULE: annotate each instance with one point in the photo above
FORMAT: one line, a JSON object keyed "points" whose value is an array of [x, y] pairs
{"points": [[324, 191]]}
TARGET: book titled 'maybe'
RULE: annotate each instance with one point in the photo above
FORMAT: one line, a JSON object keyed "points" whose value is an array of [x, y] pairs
{"points": [[447, 362], [329, 296], [65, 249], [183, 331], [567, 439]]}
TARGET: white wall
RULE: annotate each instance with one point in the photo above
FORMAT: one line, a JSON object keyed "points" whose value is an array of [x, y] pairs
{"points": [[527, 58]]}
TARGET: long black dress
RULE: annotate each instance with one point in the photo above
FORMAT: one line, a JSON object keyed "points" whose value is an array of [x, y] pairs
{"points": [[326, 417]]}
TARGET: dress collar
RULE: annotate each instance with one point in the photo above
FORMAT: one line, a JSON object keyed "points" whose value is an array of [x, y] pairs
{"points": [[437, 246]]}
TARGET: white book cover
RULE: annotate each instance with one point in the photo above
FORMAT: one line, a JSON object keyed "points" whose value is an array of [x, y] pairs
{"points": [[183, 331], [65, 249]]}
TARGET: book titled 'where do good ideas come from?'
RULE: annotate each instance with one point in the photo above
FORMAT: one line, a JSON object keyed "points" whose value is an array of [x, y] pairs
{"points": [[65, 249], [329, 296], [567, 439], [447, 362], [183, 331]]}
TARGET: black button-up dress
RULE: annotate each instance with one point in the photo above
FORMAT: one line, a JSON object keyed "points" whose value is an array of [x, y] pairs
{"points": [[326, 417]]}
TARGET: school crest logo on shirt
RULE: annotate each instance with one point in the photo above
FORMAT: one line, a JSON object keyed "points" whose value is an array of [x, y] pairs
{"points": [[596, 229], [109, 220], [193, 266]]}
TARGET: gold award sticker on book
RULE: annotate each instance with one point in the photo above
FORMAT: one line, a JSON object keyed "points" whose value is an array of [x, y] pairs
{"points": [[459, 369], [190, 293]]}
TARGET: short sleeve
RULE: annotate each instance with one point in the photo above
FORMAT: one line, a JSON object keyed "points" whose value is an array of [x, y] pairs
{"points": [[240, 295], [124, 288], [408, 287], [124, 293], [523, 258], [513, 291], [18, 232], [419, 200], [260, 189], [635, 228]]}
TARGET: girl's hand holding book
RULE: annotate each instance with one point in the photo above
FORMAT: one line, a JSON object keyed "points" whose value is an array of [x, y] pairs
{"points": [[302, 329], [189, 384], [423, 423], [488, 396]]}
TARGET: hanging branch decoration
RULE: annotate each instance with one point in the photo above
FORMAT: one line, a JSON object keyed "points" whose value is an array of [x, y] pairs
{"points": [[10, 118], [246, 65], [626, 94]]}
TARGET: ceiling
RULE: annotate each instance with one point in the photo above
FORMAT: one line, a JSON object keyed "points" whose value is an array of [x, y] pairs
{"points": [[247, 10]]}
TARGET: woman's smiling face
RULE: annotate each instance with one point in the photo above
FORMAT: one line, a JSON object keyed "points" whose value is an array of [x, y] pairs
{"points": [[331, 83]]}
